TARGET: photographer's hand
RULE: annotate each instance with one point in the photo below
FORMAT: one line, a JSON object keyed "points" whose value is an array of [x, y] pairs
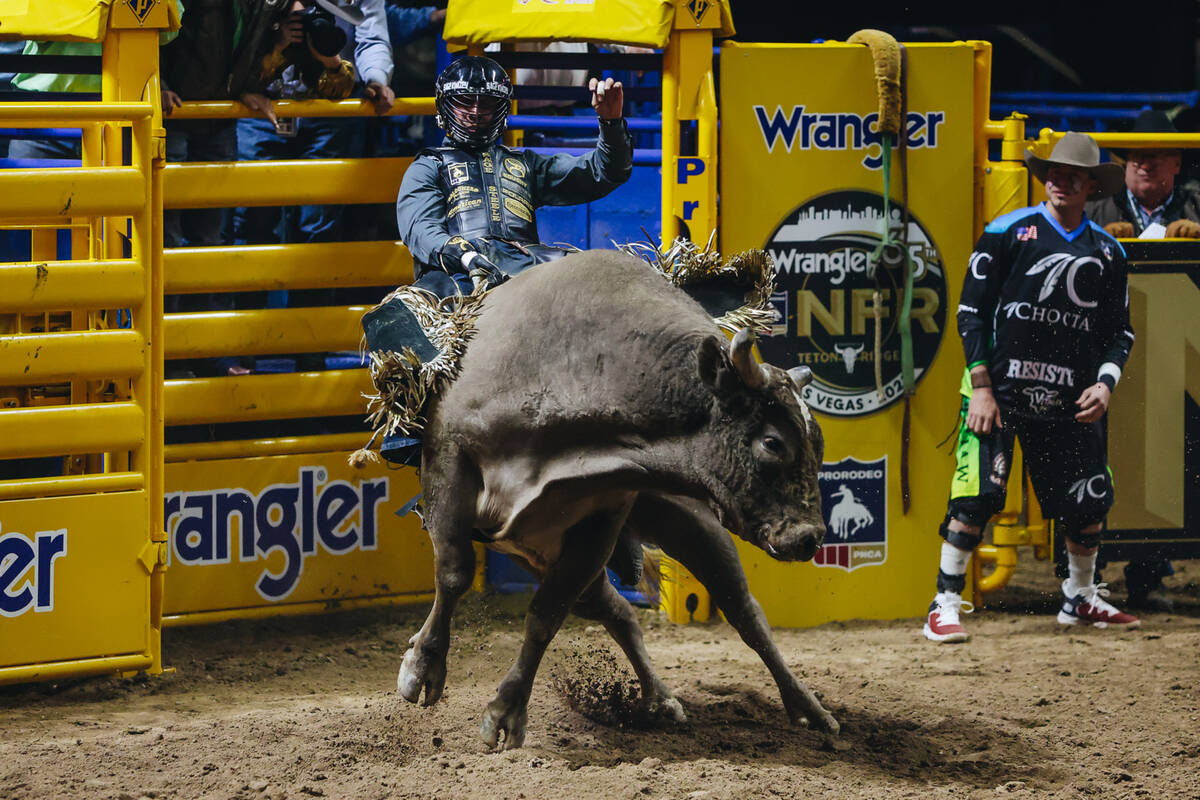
{"points": [[290, 30]]}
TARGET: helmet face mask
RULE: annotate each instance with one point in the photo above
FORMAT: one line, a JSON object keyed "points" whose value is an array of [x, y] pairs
{"points": [[471, 98]]}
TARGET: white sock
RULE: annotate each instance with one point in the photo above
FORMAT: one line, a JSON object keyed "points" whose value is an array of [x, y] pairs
{"points": [[1082, 571], [954, 561]]}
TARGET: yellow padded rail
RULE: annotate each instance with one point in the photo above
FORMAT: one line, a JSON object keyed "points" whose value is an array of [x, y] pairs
{"points": [[59, 430], [257, 397], [61, 285], [61, 357], [286, 266], [279, 183], [262, 331], [70, 192]]}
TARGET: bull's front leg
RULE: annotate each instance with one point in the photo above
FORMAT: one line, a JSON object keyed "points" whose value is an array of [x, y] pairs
{"points": [[688, 532], [585, 549], [424, 665], [602, 602]]}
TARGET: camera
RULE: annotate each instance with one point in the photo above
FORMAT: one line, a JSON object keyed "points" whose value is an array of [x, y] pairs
{"points": [[322, 30]]}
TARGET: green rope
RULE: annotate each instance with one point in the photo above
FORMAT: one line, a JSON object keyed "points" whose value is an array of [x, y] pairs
{"points": [[886, 240]]}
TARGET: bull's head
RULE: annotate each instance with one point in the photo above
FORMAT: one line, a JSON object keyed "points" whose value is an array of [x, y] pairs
{"points": [[766, 452]]}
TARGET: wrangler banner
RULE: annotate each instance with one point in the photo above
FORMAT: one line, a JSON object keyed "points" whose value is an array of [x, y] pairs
{"points": [[289, 531], [802, 176]]}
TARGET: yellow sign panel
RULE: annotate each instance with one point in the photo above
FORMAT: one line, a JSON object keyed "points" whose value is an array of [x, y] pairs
{"points": [[480, 22], [1147, 418], [248, 533], [71, 582], [802, 177]]}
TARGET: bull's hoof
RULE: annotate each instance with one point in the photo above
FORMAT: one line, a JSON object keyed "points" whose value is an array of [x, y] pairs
{"points": [[822, 721], [666, 709], [499, 719], [420, 671]]}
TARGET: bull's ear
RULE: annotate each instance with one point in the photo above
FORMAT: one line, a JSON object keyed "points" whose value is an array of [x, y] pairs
{"points": [[715, 368]]}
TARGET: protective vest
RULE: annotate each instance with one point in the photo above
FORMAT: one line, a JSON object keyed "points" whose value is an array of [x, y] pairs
{"points": [[488, 194]]}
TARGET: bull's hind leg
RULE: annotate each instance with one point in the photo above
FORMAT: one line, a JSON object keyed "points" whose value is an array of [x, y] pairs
{"points": [[603, 603], [424, 665], [688, 532], [585, 549]]}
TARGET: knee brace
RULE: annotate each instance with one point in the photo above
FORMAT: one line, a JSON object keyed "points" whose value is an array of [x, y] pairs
{"points": [[1072, 529], [963, 540]]}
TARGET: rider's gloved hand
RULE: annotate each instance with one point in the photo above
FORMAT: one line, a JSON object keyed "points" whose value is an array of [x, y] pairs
{"points": [[453, 253], [483, 271]]}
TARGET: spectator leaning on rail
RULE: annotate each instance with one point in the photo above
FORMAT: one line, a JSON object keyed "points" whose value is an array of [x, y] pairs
{"points": [[1152, 206], [1044, 321], [466, 210], [1151, 195]]}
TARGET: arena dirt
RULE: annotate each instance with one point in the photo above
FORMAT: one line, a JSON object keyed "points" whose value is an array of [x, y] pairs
{"points": [[303, 708]]}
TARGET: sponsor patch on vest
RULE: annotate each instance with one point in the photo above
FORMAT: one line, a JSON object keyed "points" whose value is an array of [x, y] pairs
{"points": [[465, 205], [825, 307], [458, 172], [519, 209], [461, 193], [854, 496], [515, 167], [489, 166]]}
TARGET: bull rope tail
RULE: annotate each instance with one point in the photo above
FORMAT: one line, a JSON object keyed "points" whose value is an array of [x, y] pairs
{"points": [[890, 61]]}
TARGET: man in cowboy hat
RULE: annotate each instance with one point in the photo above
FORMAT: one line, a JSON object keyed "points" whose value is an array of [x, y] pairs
{"points": [[1151, 195], [1044, 321]]}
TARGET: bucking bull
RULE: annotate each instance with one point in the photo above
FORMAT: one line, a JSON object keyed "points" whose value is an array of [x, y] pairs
{"points": [[596, 401]]}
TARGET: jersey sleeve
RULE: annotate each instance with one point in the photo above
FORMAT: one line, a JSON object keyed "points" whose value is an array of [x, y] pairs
{"points": [[986, 271], [1115, 330]]}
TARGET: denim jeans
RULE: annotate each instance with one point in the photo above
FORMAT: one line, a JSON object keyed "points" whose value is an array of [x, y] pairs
{"points": [[315, 138], [197, 140]]}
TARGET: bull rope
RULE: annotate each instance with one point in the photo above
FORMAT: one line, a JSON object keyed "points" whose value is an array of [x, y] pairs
{"points": [[891, 61]]}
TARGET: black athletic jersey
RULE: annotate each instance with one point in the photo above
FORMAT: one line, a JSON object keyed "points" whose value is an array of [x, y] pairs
{"points": [[1046, 310]]}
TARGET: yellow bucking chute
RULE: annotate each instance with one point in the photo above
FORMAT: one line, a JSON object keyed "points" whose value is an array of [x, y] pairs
{"points": [[647, 23], [78, 20], [887, 56]]}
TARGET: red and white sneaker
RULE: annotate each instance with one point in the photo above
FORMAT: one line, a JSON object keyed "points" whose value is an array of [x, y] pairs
{"points": [[1090, 607], [942, 625]]}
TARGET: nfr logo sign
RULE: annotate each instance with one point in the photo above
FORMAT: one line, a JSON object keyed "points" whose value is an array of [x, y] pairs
{"points": [[27, 570], [854, 496], [291, 519]]}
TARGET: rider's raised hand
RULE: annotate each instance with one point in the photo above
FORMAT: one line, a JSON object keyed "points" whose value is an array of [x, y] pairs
{"points": [[607, 98]]}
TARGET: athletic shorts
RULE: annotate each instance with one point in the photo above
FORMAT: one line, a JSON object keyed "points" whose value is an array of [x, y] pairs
{"points": [[1067, 463]]}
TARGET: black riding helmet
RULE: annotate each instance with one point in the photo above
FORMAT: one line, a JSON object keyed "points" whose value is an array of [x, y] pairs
{"points": [[471, 97]]}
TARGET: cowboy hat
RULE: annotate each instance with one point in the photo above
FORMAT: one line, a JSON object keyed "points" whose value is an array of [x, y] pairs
{"points": [[1079, 150], [1151, 120]]}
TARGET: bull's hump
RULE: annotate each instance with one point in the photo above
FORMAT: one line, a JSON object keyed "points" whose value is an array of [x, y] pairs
{"points": [[592, 336]]}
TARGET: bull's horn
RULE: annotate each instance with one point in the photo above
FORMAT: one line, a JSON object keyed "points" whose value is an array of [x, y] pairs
{"points": [[801, 376], [751, 373]]}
